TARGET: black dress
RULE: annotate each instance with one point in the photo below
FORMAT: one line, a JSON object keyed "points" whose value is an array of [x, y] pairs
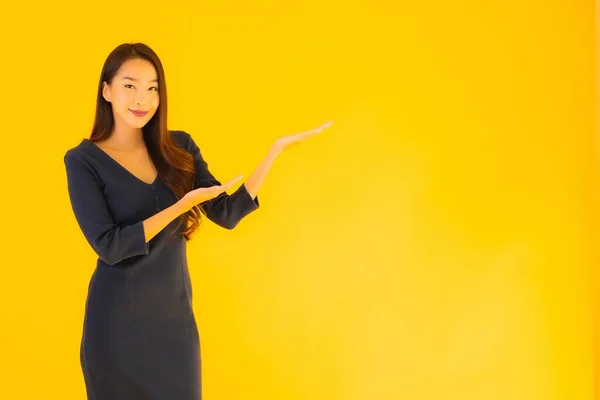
{"points": [[140, 339]]}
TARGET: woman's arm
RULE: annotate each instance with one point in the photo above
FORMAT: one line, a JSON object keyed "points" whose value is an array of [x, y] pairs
{"points": [[255, 180], [157, 222], [111, 242], [227, 210]]}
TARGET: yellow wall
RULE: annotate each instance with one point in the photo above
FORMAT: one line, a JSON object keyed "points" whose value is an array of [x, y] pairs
{"points": [[435, 243]]}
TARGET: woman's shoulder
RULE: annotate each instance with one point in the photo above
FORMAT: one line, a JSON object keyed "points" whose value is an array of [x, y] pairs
{"points": [[81, 151], [181, 138], [82, 157]]}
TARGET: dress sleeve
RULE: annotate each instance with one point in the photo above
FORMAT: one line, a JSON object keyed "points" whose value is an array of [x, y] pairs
{"points": [[225, 210], [111, 243]]}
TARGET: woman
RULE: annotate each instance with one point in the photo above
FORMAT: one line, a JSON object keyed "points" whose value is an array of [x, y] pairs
{"points": [[138, 192]]}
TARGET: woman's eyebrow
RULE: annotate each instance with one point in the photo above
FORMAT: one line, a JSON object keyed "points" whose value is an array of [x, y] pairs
{"points": [[135, 80]]}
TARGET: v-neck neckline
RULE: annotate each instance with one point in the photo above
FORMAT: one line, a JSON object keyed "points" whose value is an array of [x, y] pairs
{"points": [[118, 164]]}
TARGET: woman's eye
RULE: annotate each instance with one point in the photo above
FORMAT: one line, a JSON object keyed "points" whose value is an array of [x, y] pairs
{"points": [[153, 87]]}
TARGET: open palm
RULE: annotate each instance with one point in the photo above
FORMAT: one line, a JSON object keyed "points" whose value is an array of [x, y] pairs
{"points": [[286, 142], [202, 194]]}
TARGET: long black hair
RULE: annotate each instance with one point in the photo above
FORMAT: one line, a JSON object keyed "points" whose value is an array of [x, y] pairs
{"points": [[175, 166]]}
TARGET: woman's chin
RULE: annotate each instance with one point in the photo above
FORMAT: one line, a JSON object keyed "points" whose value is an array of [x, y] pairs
{"points": [[138, 123]]}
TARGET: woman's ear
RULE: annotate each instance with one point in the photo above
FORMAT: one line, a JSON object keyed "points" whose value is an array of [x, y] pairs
{"points": [[106, 91]]}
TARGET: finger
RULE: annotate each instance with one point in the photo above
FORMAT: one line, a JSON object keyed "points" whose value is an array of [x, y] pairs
{"points": [[232, 182], [320, 128], [308, 134], [323, 126], [237, 178]]}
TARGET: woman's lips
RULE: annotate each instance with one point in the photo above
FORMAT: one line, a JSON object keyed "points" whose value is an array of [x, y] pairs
{"points": [[139, 113]]}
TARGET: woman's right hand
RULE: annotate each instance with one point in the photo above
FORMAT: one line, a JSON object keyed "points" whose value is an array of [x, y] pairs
{"points": [[200, 195]]}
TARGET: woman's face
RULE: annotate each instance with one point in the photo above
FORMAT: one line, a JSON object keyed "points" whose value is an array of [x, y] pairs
{"points": [[134, 88]]}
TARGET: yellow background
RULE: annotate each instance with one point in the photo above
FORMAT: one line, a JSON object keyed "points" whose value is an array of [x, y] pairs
{"points": [[437, 242]]}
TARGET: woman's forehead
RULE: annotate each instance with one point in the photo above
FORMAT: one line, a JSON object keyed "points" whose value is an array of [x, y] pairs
{"points": [[137, 70]]}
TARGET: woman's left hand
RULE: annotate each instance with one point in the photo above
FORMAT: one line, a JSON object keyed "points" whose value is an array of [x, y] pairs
{"points": [[286, 142]]}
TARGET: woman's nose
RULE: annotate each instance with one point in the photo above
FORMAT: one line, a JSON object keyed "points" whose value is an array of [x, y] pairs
{"points": [[141, 98]]}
